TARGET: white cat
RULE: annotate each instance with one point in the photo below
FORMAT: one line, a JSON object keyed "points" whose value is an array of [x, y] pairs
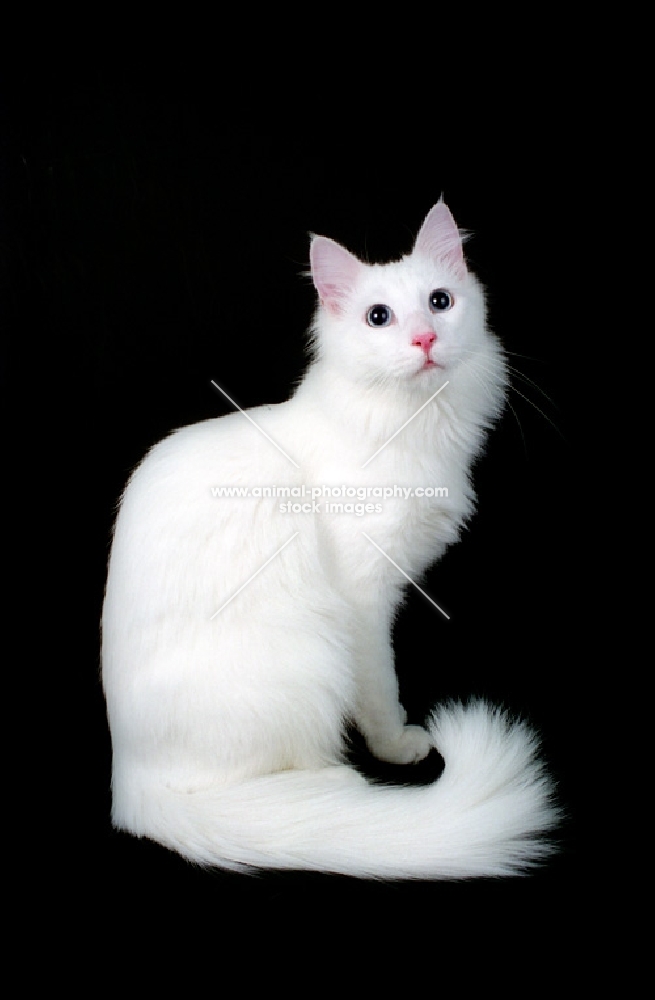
{"points": [[241, 633]]}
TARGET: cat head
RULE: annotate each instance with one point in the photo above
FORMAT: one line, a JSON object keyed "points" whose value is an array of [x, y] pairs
{"points": [[412, 320]]}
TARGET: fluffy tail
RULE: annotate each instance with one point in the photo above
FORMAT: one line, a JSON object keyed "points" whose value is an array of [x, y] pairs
{"points": [[488, 814]]}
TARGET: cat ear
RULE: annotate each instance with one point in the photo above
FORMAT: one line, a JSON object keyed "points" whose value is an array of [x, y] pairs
{"points": [[335, 272], [439, 238]]}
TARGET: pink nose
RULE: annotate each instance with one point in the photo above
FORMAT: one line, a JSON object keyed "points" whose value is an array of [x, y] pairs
{"points": [[424, 341]]}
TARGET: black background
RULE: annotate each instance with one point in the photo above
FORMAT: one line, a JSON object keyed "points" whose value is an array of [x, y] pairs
{"points": [[158, 234]]}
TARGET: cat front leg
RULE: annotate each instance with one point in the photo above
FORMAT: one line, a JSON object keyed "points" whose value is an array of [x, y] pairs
{"points": [[379, 716]]}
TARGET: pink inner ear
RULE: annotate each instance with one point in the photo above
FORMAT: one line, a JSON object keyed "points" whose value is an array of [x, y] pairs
{"points": [[334, 271], [439, 238]]}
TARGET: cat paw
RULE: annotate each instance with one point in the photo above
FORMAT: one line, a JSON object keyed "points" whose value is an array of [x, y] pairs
{"points": [[411, 745]]}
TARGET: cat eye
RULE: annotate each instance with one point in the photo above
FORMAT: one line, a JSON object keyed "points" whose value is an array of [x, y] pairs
{"points": [[379, 315], [440, 300]]}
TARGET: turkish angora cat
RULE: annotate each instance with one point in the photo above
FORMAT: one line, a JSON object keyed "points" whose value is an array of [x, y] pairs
{"points": [[241, 633]]}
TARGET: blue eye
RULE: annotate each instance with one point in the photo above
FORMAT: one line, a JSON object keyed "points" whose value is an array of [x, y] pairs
{"points": [[379, 315], [440, 300]]}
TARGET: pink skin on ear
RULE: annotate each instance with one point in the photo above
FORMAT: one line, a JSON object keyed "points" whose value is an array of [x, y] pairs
{"points": [[334, 272], [439, 239]]}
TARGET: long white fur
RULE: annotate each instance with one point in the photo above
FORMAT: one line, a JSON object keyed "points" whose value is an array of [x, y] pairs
{"points": [[227, 729]]}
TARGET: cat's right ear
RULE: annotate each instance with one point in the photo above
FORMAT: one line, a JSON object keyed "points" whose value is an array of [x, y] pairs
{"points": [[335, 272]]}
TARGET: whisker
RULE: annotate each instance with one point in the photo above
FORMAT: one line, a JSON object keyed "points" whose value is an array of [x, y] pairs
{"points": [[493, 367], [514, 413], [539, 410], [525, 378]]}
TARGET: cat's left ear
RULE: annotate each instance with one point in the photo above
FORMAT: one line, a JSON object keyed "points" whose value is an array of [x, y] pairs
{"points": [[440, 239], [335, 272]]}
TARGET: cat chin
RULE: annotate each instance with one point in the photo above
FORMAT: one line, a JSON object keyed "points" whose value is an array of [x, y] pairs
{"points": [[428, 369]]}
